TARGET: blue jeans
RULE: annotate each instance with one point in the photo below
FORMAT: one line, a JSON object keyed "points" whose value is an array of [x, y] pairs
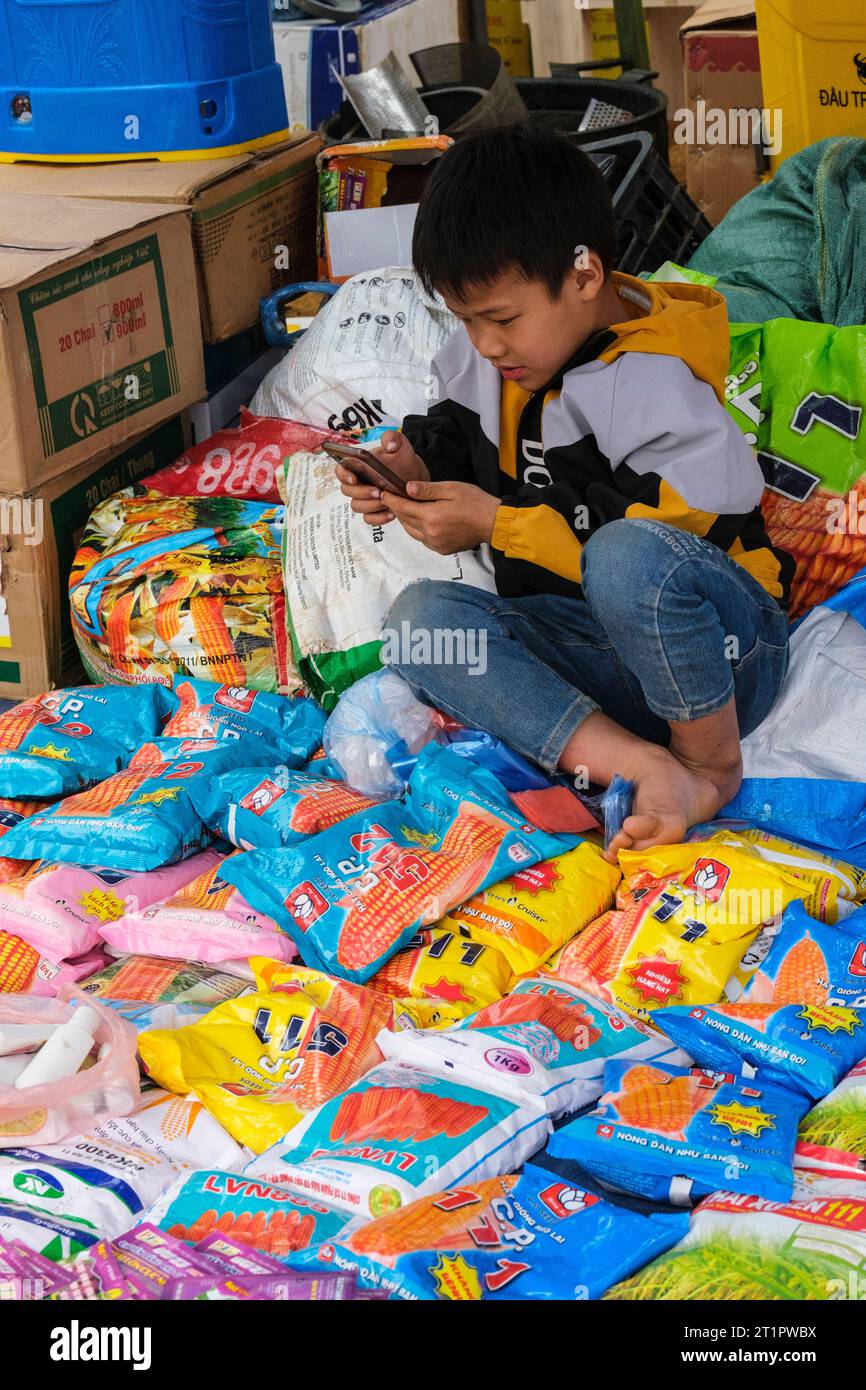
{"points": [[668, 630]]}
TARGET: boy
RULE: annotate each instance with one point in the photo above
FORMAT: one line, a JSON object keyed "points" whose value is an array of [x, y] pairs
{"points": [[639, 626]]}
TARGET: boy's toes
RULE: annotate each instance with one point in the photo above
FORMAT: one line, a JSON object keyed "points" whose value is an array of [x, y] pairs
{"points": [[620, 841], [647, 831]]}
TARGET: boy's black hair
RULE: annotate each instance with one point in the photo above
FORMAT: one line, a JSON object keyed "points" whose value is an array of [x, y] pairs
{"points": [[521, 198]]}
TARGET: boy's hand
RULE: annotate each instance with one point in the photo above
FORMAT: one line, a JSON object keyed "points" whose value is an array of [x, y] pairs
{"points": [[372, 503], [447, 517]]}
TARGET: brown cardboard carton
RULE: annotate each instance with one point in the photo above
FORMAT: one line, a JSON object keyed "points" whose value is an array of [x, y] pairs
{"points": [[722, 72], [99, 333], [39, 535], [243, 209]]}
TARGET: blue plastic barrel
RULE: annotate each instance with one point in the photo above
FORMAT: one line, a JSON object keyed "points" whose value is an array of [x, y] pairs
{"points": [[85, 80]]}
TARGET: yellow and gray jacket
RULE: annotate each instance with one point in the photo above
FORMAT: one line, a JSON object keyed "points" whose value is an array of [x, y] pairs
{"points": [[633, 426]]}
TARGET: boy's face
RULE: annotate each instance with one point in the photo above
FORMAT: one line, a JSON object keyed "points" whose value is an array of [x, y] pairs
{"points": [[528, 336]]}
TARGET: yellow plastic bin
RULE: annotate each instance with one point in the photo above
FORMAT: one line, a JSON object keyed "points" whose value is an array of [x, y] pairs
{"points": [[813, 68]]}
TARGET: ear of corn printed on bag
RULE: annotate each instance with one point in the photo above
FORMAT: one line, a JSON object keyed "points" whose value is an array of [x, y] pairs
{"points": [[258, 1214], [534, 911], [832, 1136], [685, 917], [102, 1180], [399, 1134], [24, 970], [837, 886], [544, 1039], [806, 1047], [444, 976], [270, 808], [673, 1134], [810, 963], [62, 909], [355, 894], [741, 1247], [68, 740], [205, 919], [261, 1062], [508, 1238], [292, 727], [155, 980], [139, 819]]}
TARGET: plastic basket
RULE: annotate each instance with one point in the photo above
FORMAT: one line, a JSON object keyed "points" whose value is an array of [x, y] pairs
{"points": [[658, 221], [137, 79]]}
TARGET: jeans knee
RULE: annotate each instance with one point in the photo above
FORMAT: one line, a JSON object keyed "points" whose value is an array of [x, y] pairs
{"points": [[415, 604], [629, 558]]}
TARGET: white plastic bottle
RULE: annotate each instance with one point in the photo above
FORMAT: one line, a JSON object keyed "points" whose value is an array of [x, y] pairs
{"points": [[64, 1051]]}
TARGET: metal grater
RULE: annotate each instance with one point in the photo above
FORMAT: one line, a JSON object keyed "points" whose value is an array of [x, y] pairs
{"points": [[600, 115]]}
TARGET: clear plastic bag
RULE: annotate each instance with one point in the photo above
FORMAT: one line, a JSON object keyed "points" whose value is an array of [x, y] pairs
{"points": [[378, 724]]}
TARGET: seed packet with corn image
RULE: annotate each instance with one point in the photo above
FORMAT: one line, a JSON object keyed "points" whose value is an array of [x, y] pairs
{"points": [[674, 1134], [262, 1215], [155, 980], [832, 1137], [685, 917], [837, 886], [741, 1247], [139, 819], [810, 963], [68, 740], [545, 1039], [353, 895], [261, 1062], [293, 728], [12, 813], [101, 1181], [399, 1134], [805, 1047], [534, 911], [444, 976], [259, 808], [512, 1238]]}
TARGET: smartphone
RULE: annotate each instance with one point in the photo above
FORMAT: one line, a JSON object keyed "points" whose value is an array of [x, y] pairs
{"points": [[368, 467]]}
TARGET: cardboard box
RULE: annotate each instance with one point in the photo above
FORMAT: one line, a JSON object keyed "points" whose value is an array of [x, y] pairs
{"points": [[243, 208], [509, 35], [312, 54], [39, 535], [99, 333], [722, 72]]}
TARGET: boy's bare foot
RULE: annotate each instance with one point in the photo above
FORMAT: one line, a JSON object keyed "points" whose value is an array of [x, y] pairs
{"points": [[670, 797]]}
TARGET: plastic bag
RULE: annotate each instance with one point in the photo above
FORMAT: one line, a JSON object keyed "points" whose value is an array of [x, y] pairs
{"points": [[156, 980], [103, 1179], [534, 911], [399, 1134], [355, 894], [445, 975], [832, 1137], [47, 1113], [205, 919], [262, 1215], [240, 463], [685, 917], [61, 909], [806, 1047], [141, 818], [741, 1247], [514, 1238], [672, 1134], [257, 808], [378, 723], [68, 740], [546, 1040], [293, 728], [837, 885], [12, 813], [810, 963], [261, 1062]]}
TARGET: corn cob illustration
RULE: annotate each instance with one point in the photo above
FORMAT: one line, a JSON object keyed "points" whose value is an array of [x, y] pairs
{"points": [[396, 1116], [667, 1107], [167, 625], [319, 1077], [326, 804], [143, 978], [202, 894], [756, 1015], [825, 561], [107, 796], [425, 1225], [454, 871], [279, 1233], [568, 1021], [798, 979], [593, 958], [18, 722], [18, 963], [639, 1076], [117, 628], [206, 613], [188, 721]]}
